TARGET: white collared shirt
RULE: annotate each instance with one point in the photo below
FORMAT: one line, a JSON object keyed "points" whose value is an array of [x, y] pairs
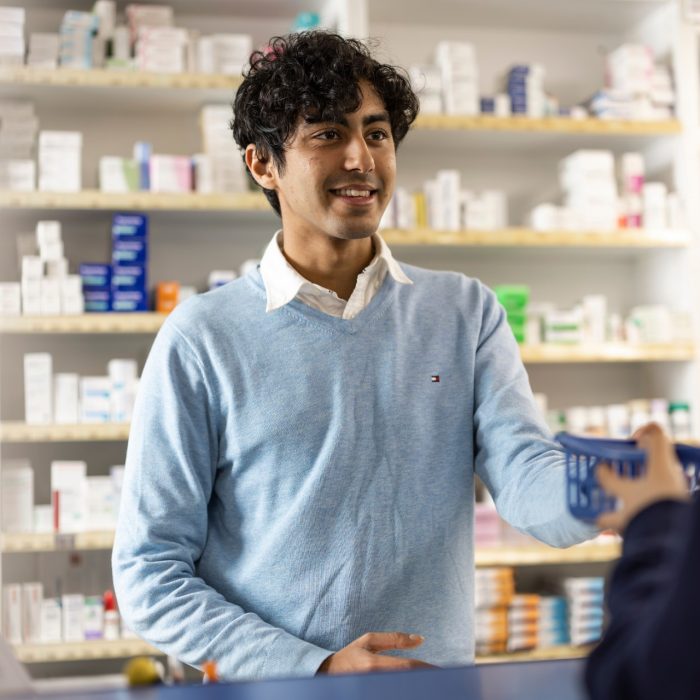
{"points": [[283, 283]]}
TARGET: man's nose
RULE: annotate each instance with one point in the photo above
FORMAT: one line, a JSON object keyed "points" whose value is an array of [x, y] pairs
{"points": [[358, 156]]}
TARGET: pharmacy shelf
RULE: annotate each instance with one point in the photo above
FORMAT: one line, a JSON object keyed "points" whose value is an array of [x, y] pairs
{"points": [[523, 237], [100, 78], [84, 323], [553, 653], [83, 651], [556, 125], [610, 352], [540, 554], [513, 555], [124, 648], [51, 542], [140, 201], [82, 432]]}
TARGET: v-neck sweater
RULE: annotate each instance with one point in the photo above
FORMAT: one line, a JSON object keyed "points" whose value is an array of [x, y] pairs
{"points": [[295, 480]]}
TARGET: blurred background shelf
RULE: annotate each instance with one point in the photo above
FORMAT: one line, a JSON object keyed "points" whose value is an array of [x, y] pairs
{"points": [[142, 201], [147, 322], [16, 431], [553, 653], [82, 651], [523, 237], [611, 352], [539, 554], [50, 542]]}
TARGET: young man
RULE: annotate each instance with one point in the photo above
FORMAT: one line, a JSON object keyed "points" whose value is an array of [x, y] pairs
{"points": [[646, 653], [300, 473]]}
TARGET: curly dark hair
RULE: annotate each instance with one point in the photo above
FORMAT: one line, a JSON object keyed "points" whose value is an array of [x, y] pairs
{"points": [[318, 73]]}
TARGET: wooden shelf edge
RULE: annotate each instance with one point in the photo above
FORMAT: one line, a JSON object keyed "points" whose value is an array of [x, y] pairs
{"points": [[538, 555], [80, 432], [105, 78], [11, 542], [614, 352], [549, 654], [161, 201], [516, 237], [146, 322], [84, 651], [560, 125]]}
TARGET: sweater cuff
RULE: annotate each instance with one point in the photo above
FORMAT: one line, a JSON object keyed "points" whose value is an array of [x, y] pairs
{"points": [[660, 516], [291, 657]]}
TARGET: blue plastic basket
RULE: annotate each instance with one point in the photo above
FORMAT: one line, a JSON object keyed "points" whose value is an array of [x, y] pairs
{"points": [[585, 497]]}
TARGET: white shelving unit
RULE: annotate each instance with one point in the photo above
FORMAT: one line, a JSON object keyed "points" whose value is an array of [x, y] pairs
{"points": [[193, 234]]}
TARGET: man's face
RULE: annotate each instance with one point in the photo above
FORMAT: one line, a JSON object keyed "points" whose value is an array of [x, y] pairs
{"points": [[339, 177]]}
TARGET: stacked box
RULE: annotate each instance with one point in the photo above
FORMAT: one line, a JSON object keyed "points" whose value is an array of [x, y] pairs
{"points": [[12, 45], [129, 262], [426, 81], [554, 624], [161, 49], [97, 286], [18, 129], [78, 47], [460, 77], [585, 598], [223, 54], [525, 87], [523, 622], [587, 178], [138, 16], [43, 50], [493, 592], [514, 299], [60, 155], [220, 167]]}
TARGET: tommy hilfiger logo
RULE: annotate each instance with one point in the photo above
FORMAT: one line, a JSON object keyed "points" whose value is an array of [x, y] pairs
{"points": [[435, 378]]}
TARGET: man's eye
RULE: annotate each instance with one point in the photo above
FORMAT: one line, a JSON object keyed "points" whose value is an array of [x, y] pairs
{"points": [[379, 135], [329, 134]]}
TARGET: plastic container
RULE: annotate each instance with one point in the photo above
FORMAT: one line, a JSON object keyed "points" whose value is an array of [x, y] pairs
{"points": [[586, 499]]}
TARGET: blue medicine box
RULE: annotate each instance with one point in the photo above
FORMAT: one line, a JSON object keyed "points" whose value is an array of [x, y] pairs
{"points": [[96, 276], [130, 252], [126, 227], [129, 301], [129, 278], [98, 301]]}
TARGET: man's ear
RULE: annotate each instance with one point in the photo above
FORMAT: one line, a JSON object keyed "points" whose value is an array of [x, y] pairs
{"points": [[262, 169]]}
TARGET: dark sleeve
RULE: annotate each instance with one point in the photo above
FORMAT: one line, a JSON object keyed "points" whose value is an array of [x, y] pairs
{"points": [[654, 610]]}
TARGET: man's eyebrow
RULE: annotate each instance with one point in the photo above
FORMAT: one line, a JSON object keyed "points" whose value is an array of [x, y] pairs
{"points": [[342, 120]]}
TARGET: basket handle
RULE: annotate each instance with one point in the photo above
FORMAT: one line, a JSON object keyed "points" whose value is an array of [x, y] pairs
{"points": [[622, 450]]}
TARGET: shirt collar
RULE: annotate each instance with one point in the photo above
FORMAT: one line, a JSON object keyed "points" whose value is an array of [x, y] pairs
{"points": [[282, 282]]}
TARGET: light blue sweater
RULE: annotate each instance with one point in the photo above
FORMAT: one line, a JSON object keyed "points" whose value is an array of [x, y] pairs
{"points": [[295, 480]]}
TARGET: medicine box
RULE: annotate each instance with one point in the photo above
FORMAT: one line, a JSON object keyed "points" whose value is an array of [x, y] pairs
{"points": [[129, 227]]}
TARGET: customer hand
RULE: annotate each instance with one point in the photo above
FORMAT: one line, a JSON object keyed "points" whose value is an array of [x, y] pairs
{"points": [[363, 655], [663, 479]]}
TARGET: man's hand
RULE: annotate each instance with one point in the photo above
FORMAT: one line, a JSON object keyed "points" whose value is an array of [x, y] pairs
{"points": [[662, 480], [363, 655]]}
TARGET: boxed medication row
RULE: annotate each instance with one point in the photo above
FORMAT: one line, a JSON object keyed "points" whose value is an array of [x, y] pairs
{"points": [[621, 420], [79, 503], [30, 618], [66, 398]]}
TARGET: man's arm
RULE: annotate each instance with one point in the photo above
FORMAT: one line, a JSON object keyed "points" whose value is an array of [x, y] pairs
{"points": [[170, 472], [517, 460]]}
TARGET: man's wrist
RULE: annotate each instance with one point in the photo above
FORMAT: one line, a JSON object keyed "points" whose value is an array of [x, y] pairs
{"points": [[325, 664]]}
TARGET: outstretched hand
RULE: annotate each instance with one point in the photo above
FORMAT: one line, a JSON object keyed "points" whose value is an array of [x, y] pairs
{"points": [[663, 479], [363, 654]]}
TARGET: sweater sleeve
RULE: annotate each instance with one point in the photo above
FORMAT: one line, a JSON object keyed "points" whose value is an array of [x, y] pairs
{"points": [[646, 652], [516, 458], [170, 472]]}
